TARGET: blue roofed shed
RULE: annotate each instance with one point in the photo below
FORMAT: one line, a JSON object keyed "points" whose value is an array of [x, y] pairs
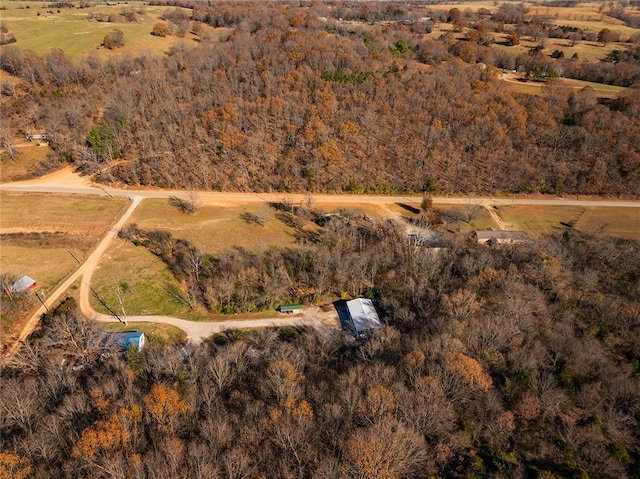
{"points": [[125, 340]]}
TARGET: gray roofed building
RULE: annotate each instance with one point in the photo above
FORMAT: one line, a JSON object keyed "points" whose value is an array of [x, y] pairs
{"points": [[494, 237], [363, 317], [23, 285]]}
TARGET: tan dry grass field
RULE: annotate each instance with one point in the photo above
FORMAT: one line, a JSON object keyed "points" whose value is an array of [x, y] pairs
{"points": [[214, 227], [26, 157], [584, 14], [40, 232], [586, 50], [535, 88], [154, 332], [539, 220]]}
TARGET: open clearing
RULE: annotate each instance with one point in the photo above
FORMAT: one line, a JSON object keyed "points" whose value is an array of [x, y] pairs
{"points": [[537, 220], [586, 50], [583, 15], [155, 332], [40, 232], [601, 90], [148, 284], [26, 157], [72, 214], [41, 28], [455, 217], [213, 228], [144, 277]]}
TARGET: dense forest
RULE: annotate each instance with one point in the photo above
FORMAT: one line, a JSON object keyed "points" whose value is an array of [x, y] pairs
{"points": [[295, 99], [519, 362]]}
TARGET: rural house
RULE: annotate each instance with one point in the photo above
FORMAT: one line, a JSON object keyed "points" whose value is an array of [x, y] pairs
{"points": [[495, 237], [363, 317]]}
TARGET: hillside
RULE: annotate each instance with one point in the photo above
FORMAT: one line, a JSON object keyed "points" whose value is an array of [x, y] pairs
{"points": [[316, 98]]}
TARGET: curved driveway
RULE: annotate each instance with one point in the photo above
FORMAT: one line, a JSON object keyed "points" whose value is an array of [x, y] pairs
{"points": [[67, 182]]}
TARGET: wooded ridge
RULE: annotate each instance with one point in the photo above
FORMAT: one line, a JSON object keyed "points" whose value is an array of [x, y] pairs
{"points": [[292, 103]]}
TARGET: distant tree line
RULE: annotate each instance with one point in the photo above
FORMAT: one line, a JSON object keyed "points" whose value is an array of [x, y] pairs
{"points": [[290, 103]]}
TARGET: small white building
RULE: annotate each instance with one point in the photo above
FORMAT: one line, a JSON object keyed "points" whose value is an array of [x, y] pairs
{"points": [[37, 136]]}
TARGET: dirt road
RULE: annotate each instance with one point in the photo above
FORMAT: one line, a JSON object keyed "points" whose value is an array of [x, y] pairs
{"points": [[67, 182], [87, 267]]}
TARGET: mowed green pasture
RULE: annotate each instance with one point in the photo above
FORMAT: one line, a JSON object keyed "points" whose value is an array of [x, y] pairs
{"points": [[147, 281], [42, 231], [213, 228], [146, 278], [71, 30], [539, 220]]}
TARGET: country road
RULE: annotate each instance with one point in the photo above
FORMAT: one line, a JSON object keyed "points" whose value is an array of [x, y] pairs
{"points": [[66, 181]]}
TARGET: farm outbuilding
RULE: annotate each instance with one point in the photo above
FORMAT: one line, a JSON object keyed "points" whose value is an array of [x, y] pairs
{"points": [[125, 340], [495, 237], [37, 136], [23, 285], [363, 317]]}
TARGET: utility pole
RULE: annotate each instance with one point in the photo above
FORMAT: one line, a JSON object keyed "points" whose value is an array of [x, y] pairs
{"points": [[43, 301]]}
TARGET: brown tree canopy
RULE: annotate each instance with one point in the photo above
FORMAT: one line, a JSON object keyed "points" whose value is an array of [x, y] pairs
{"points": [[519, 361], [290, 103]]}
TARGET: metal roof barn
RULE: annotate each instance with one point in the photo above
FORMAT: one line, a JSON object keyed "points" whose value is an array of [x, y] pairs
{"points": [[363, 316], [23, 285]]}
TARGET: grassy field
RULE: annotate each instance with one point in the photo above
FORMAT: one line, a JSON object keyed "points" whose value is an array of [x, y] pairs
{"points": [[154, 332], [46, 265], [616, 222], [211, 229], [146, 278], [535, 88], [538, 220], [70, 30], [73, 214], [585, 15], [461, 218], [214, 228], [586, 50], [25, 160], [39, 243], [480, 217]]}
